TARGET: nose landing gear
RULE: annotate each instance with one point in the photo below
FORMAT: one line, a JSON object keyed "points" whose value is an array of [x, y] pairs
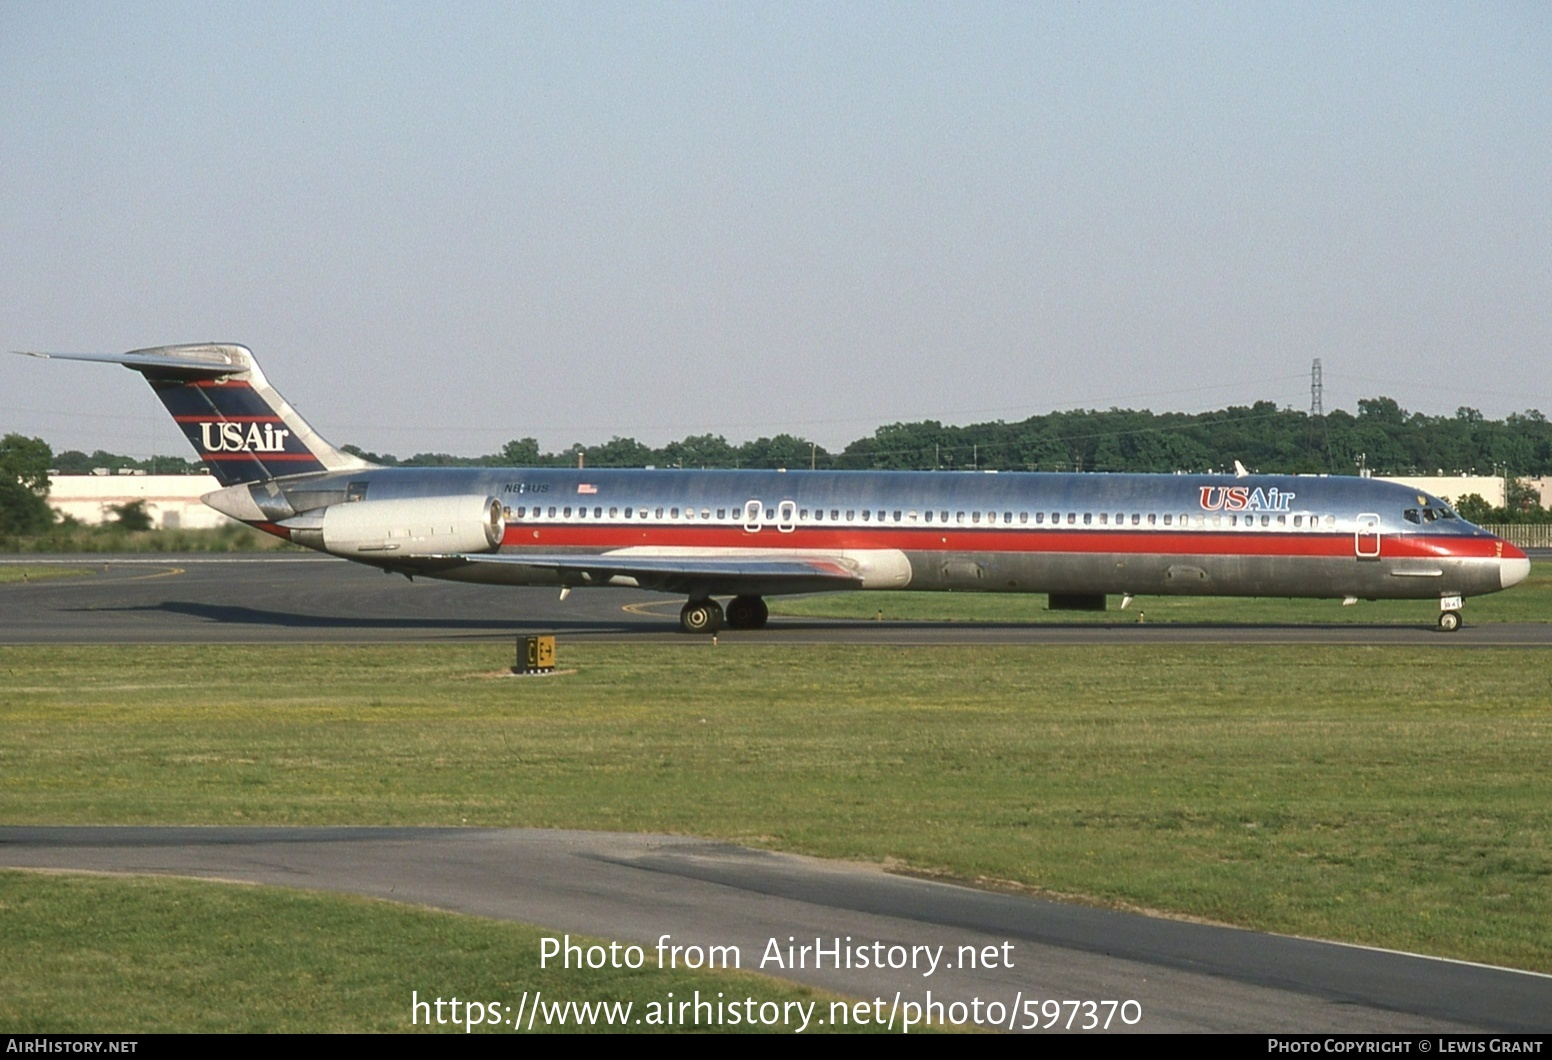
{"points": [[1449, 613]]}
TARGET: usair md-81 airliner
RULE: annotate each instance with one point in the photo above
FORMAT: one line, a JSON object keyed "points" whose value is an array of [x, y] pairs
{"points": [[752, 534]]}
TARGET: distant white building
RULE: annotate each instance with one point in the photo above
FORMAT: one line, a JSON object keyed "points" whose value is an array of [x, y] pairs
{"points": [[1489, 487], [172, 501], [1452, 488]]}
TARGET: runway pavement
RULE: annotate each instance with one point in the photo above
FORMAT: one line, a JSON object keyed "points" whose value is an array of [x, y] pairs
{"points": [[638, 888], [303, 598]]}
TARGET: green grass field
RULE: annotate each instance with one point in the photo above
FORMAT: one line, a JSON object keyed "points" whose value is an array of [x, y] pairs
{"points": [[139, 956], [110, 537], [1397, 797], [34, 572]]}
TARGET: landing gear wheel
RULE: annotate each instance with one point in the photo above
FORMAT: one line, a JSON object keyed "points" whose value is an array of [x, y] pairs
{"points": [[1449, 621], [747, 612], [701, 616]]}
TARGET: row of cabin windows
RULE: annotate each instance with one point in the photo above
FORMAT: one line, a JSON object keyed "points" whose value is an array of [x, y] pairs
{"points": [[959, 518]]}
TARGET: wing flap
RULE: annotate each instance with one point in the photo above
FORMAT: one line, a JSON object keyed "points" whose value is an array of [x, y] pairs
{"points": [[719, 575]]}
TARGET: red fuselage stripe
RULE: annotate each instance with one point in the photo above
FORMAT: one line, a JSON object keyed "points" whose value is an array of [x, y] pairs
{"points": [[1163, 542]]}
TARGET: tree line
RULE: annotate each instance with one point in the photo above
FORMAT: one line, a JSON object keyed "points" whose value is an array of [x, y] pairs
{"points": [[1382, 438]]}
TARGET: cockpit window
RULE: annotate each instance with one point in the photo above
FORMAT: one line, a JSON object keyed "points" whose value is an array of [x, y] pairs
{"points": [[1411, 516]]}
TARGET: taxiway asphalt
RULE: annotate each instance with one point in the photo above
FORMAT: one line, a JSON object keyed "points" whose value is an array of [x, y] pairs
{"points": [[249, 598]]}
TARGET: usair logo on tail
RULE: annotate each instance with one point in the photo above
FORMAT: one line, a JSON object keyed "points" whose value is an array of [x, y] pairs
{"points": [[232, 438]]}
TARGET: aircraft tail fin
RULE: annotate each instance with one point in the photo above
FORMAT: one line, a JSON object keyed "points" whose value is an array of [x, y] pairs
{"points": [[239, 425]]}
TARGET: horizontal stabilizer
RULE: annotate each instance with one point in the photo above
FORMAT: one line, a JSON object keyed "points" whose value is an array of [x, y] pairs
{"points": [[206, 361]]}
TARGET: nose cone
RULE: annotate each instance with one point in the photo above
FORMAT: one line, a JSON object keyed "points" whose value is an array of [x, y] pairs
{"points": [[1514, 567]]}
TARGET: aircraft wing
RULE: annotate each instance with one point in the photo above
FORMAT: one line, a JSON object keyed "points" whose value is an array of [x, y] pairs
{"points": [[693, 575]]}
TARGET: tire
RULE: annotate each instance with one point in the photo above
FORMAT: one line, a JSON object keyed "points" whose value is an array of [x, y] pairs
{"points": [[747, 612], [1449, 621], [701, 616]]}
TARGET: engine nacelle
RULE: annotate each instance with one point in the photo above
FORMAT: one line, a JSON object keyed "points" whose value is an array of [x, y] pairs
{"points": [[412, 527]]}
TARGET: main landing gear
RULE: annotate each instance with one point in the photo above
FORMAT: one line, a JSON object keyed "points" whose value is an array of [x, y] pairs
{"points": [[706, 616], [747, 612], [701, 616]]}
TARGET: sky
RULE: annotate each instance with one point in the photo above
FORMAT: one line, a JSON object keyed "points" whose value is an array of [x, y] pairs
{"points": [[443, 226]]}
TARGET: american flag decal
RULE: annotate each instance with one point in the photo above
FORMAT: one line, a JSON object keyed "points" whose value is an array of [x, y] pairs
{"points": [[586, 487]]}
